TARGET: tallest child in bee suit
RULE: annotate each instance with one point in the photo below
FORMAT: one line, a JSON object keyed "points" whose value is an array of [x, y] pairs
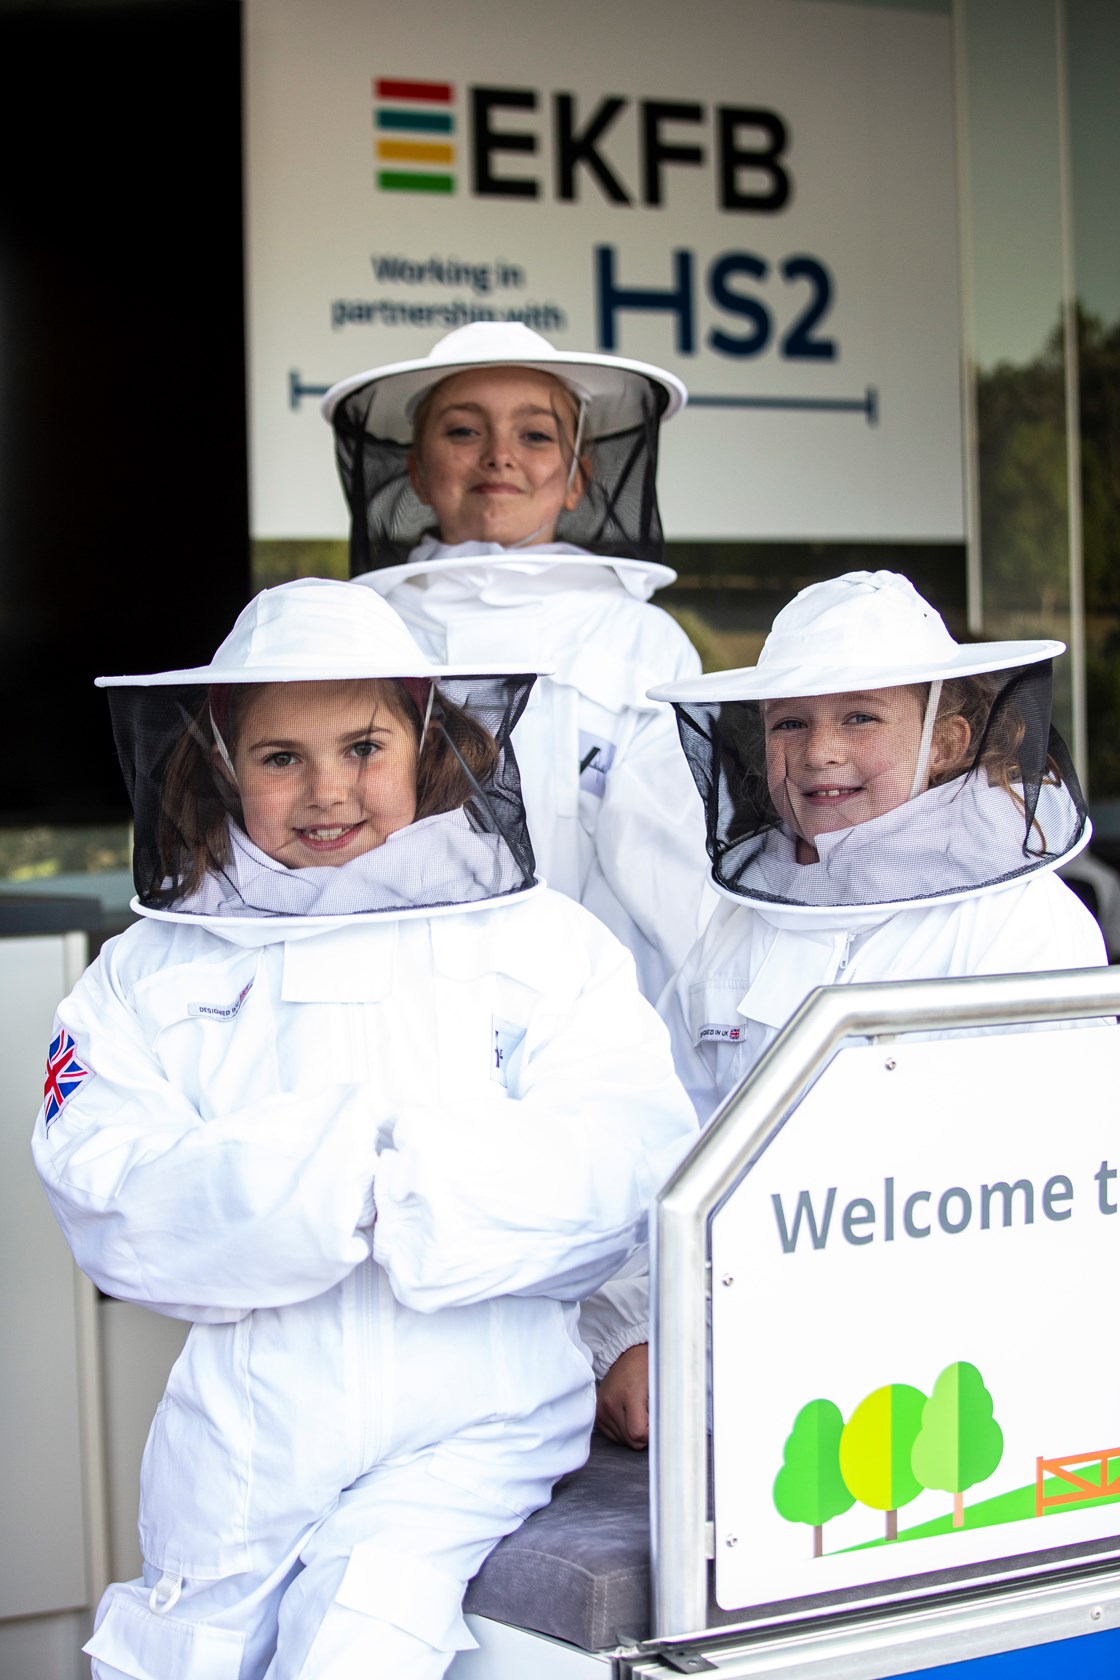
{"points": [[502, 497], [372, 1110]]}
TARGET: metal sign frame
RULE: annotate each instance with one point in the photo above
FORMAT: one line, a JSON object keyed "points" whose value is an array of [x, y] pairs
{"points": [[737, 1134]]}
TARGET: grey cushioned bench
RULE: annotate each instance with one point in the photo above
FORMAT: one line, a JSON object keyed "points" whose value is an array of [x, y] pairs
{"points": [[579, 1569]]}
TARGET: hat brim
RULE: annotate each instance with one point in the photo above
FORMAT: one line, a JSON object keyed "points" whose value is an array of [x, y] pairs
{"points": [[763, 682], [350, 672], [640, 578], [613, 386]]}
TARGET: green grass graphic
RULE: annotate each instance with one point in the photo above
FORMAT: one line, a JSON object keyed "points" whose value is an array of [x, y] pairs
{"points": [[1015, 1506]]}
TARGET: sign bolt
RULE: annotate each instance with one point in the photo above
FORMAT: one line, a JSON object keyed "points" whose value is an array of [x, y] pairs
{"points": [[890, 1064], [733, 1540], [727, 1280]]}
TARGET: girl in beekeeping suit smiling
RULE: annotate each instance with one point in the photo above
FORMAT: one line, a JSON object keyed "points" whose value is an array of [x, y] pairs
{"points": [[369, 1107], [881, 803], [502, 496]]}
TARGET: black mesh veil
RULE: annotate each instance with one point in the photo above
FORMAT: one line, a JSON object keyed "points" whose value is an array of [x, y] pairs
{"points": [[469, 841], [617, 516], [1009, 805]]}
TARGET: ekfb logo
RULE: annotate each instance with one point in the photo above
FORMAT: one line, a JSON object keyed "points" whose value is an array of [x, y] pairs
{"points": [[417, 147]]}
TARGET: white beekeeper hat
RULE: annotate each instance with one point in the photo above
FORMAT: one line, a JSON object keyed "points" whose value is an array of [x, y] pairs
{"points": [[1009, 805], [864, 630], [168, 726], [612, 388], [314, 629]]}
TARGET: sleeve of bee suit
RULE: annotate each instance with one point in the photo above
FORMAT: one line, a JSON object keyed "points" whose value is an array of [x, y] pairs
{"points": [[648, 881], [616, 1317], [547, 1193], [197, 1211]]}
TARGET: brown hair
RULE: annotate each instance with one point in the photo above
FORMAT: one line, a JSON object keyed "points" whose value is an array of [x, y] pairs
{"points": [[994, 749], [995, 733], [457, 756]]}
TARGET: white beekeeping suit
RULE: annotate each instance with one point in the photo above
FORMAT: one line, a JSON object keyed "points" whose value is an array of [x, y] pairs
{"points": [[957, 877], [882, 804], [612, 812], [754, 967], [373, 1123]]}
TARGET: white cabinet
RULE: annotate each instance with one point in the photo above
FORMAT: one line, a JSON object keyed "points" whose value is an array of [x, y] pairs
{"points": [[52, 1513]]}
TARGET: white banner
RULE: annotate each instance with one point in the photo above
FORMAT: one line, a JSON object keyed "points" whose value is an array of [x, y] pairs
{"points": [[911, 1371], [757, 194]]}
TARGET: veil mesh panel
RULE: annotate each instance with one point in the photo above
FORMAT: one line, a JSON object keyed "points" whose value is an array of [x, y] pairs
{"points": [[617, 515], [164, 740], [1015, 763]]}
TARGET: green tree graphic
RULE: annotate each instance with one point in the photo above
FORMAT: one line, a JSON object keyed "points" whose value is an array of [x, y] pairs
{"points": [[875, 1450], [960, 1442], [809, 1487]]}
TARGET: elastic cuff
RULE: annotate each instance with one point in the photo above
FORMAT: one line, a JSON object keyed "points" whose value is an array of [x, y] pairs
{"points": [[615, 1345]]}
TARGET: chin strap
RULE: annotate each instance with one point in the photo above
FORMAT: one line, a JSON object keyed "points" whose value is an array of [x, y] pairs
{"points": [[578, 444], [921, 768], [525, 542], [427, 716], [222, 748]]}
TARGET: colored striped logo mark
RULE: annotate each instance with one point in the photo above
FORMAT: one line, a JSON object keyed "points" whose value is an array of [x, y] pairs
{"points": [[407, 117]]}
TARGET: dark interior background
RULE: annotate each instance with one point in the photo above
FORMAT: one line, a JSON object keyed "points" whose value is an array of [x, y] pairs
{"points": [[124, 532]]}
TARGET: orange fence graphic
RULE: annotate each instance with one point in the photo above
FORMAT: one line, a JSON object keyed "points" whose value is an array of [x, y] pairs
{"points": [[1081, 1487]]}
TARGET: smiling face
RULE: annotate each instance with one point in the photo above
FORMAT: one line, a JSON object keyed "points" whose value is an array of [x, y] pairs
{"points": [[834, 760], [493, 455], [325, 770]]}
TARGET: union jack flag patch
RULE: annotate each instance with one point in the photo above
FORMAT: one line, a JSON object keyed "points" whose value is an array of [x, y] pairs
{"points": [[65, 1075]]}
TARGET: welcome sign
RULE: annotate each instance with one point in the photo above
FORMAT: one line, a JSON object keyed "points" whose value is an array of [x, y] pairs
{"points": [[757, 194], [914, 1368]]}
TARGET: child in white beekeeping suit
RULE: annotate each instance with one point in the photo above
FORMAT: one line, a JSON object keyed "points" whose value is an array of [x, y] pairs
{"points": [[372, 1110], [502, 497], [882, 804]]}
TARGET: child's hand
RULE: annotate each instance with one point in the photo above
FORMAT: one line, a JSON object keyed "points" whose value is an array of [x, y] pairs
{"points": [[622, 1407]]}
